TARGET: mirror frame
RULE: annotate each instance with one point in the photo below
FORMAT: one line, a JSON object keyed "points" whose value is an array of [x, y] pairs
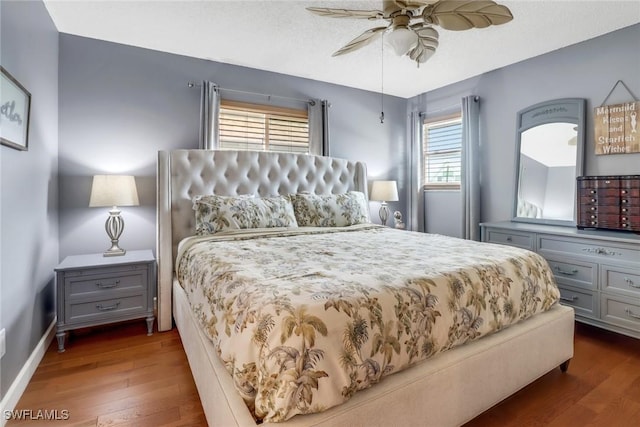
{"points": [[566, 110]]}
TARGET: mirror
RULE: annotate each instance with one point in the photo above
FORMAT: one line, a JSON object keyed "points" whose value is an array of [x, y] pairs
{"points": [[549, 157]]}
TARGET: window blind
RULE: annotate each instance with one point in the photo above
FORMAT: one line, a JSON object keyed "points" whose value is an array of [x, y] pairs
{"points": [[442, 146], [257, 127]]}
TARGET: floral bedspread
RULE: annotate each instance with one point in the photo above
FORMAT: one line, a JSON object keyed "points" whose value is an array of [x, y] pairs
{"points": [[304, 318]]}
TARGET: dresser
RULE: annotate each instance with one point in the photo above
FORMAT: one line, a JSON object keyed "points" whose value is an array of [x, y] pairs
{"points": [[609, 202], [597, 271], [95, 290]]}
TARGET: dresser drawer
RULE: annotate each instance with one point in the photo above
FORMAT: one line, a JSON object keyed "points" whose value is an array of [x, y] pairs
{"points": [[620, 280], [105, 285], [91, 311], [600, 182], [520, 240], [600, 200], [590, 248], [595, 209], [601, 220], [584, 302], [621, 311], [575, 273]]}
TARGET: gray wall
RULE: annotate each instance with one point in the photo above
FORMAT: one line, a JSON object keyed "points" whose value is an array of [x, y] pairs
{"points": [[119, 105], [29, 187], [585, 70]]}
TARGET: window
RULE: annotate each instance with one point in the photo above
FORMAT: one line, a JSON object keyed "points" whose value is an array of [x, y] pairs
{"points": [[442, 145], [263, 127]]}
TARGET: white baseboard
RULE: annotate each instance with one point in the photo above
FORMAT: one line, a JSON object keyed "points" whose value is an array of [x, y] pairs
{"points": [[19, 385]]}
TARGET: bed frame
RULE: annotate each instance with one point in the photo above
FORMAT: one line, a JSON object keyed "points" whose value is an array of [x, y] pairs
{"points": [[448, 389]]}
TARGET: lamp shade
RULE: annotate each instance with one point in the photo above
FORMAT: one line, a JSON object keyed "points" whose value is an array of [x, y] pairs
{"points": [[384, 191], [113, 190], [402, 40]]}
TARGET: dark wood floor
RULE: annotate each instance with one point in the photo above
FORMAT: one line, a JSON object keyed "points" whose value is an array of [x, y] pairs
{"points": [[117, 376]]}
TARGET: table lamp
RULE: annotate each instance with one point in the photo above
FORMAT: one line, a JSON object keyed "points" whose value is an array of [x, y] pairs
{"points": [[114, 191], [384, 191]]}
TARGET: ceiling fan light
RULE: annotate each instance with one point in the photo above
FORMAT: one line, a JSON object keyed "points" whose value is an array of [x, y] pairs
{"points": [[402, 40]]}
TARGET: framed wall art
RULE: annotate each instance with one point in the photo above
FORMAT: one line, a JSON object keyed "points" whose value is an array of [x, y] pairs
{"points": [[15, 105]]}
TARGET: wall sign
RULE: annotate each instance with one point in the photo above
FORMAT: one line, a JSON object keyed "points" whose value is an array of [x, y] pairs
{"points": [[15, 103], [616, 128]]}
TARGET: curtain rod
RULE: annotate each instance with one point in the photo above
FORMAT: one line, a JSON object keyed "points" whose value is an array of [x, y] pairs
{"points": [[309, 101]]}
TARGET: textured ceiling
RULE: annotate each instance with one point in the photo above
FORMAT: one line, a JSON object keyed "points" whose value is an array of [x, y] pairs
{"points": [[283, 37]]}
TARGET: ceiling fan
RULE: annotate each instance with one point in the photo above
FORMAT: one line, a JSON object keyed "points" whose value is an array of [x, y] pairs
{"points": [[410, 30]]}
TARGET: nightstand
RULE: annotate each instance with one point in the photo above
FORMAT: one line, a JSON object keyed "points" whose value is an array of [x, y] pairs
{"points": [[95, 290]]}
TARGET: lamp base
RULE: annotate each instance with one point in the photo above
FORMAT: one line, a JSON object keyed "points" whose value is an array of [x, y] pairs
{"points": [[114, 227], [114, 252], [384, 213]]}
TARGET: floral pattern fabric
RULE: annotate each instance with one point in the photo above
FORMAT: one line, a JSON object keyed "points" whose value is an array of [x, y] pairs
{"points": [[331, 210], [217, 213], [303, 319]]}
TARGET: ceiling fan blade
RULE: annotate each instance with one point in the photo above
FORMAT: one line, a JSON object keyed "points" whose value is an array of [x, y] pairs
{"points": [[427, 43], [458, 15], [347, 13], [360, 41]]}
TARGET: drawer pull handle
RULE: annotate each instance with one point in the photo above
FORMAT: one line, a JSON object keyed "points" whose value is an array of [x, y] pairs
{"points": [[107, 307], [600, 251], [631, 314], [569, 299], [108, 285], [630, 283], [592, 191], [509, 239], [568, 273]]}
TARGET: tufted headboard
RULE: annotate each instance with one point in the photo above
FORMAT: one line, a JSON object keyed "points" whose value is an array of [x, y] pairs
{"points": [[183, 174]]}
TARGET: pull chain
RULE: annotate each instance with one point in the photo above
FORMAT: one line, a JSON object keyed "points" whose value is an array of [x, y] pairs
{"points": [[382, 80]]}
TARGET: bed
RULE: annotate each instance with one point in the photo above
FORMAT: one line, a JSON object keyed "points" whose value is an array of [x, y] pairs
{"points": [[449, 388]]}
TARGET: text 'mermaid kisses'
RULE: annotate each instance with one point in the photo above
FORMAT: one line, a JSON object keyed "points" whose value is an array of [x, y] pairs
{"points": [[619, 125]]}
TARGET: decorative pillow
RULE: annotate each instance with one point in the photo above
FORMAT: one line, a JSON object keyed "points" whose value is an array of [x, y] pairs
{"points": [[218, 213], [333, 210]]}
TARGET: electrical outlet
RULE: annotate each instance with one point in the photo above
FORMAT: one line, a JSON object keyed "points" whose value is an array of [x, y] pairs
{"points": [[3, 344]]}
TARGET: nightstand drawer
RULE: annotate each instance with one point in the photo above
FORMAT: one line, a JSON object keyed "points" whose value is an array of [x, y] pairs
{"points": [[620, 311], [103, 285], [520, 240], [574, 273], [584, 302], [105, 309], [621, 280]]}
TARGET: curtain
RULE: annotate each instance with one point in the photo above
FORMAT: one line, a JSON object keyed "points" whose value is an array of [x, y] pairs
{"points": [[209, 116], [416, 206], [470, 176], [318, 113]]}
